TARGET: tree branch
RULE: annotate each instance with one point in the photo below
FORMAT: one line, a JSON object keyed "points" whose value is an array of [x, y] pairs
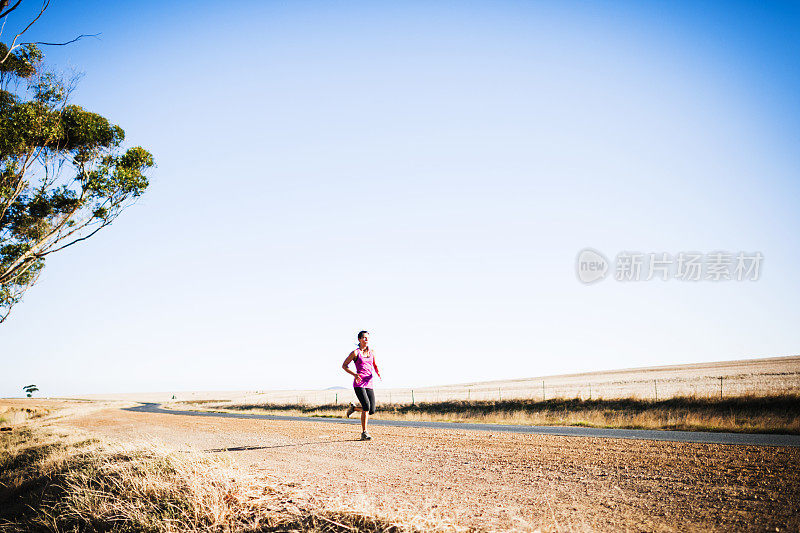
{"points": [[14, 44], [3, 26], [15, 296], [18, 188], [34, 250], [30, 158], [24, 267], [44, 246], [10, 9], [76, 240], [79, 37]]}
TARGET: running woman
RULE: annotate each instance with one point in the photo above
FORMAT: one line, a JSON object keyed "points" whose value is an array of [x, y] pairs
{"points": [[364, 359]]}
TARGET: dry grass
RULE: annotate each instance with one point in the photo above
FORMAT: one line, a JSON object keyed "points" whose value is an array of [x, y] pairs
{"points": [[64, 482], [750, 414], [11, 415]]}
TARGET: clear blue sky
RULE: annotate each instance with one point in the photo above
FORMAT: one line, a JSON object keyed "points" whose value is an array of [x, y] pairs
{"points": [[428, 171]]}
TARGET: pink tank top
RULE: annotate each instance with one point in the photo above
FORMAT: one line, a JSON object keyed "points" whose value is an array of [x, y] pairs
{"points": [[364, 368]]}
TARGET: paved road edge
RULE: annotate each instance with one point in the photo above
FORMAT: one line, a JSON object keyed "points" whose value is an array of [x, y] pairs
{"points": [[702, 437]]}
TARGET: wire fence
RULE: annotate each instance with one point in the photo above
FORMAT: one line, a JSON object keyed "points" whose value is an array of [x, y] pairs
{"points": [[657, 385]]}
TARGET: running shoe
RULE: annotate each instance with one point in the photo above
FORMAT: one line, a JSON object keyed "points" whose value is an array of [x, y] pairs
{"points": [[350, 409], [366, 436]]}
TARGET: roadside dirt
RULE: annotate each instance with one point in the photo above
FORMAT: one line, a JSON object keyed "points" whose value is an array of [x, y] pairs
{"points": [[493, 481]]}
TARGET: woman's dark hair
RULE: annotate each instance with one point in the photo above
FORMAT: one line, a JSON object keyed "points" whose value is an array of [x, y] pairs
{"points": [[361, 334]]}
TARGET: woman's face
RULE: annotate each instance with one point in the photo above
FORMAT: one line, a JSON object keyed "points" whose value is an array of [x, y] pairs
{"points": [[364, 340]]}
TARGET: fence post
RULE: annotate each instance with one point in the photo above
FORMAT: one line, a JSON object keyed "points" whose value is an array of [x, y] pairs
{"points": [[655, 387], [542, 390], [720, 388], [590, 391], [412, 396], [468, 391], [337, 398]]}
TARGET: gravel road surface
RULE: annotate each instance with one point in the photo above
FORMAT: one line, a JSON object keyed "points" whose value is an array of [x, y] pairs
{"points": [[491, 480]]}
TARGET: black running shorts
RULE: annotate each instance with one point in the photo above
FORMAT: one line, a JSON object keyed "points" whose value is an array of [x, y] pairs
{"points": [[367, 399]]}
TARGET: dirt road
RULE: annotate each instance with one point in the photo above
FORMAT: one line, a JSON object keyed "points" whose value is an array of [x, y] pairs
{"points": [[494, 481]]}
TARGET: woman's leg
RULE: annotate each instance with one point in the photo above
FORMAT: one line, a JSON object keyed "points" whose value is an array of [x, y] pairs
{"points": [[363, 398], [371, 397], [368, 409]]}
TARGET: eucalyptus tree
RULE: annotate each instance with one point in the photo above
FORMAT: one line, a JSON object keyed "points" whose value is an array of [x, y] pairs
{"points": [[63, 172]]}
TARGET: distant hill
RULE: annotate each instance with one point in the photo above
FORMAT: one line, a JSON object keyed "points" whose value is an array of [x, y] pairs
{"points": [[336, 388]]}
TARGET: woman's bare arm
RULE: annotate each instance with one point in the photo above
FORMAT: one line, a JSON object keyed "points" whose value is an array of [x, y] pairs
{"points": [[375, 366], [346, 364]]}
